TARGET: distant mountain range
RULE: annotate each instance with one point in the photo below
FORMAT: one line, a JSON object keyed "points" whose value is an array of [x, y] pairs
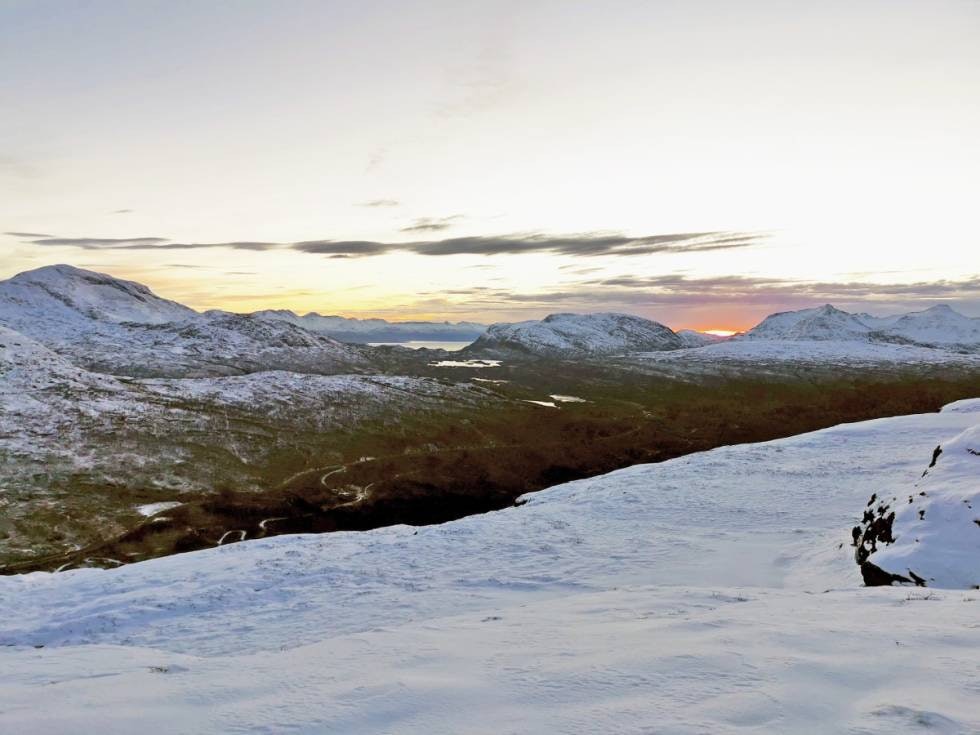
{"points": [[347, 329], [937, 327], [109, 325], [104, 384], [115, 326]]}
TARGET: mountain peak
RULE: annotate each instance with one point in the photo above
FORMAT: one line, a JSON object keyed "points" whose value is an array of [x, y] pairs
{"points": [[565, 335], [937, 326], [72, 297]]}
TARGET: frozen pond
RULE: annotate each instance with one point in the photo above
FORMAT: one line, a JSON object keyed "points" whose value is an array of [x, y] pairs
{"points": [[418, 344], [466, 363], [151, 509]]}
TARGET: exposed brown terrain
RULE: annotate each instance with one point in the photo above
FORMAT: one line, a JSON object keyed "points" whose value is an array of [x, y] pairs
{"points": [[486, 457]]}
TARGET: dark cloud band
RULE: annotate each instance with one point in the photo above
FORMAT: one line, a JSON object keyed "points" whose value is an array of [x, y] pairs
{"points": [[678, 291], [139, 243], [585, 244]]}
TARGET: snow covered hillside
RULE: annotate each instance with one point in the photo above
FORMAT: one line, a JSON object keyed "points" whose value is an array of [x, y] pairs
{"points": [[710, 593], [576, 335], [212, 345], [64, 297], [939, 326], [27, 367], [113, 326], [78, 444]]}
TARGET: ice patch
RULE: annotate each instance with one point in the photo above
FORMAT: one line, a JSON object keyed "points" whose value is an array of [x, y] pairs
{"points": [[466, 363], [151, 509]]}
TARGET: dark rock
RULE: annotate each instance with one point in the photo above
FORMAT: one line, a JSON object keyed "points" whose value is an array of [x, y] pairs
{"points": [[875, 576]]}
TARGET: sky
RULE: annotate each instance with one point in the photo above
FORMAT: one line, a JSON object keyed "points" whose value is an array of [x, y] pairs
{"points": [[699, 162]]}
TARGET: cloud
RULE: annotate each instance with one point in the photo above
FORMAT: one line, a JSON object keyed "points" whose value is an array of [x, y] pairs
{"points": [[431, 224], [345, 248], [26, 234], [677, 296], [747, 289], [586, 244], [238, 245], [122, 211], [138, 243], [97, 243], [380, 203], [583, 244]]}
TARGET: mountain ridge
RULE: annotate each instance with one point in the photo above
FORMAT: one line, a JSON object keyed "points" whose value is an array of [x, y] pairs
{"points": [[938, 326], [565, 335]]}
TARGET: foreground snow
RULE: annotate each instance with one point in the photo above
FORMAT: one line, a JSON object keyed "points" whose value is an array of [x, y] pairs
{"points": [[704, 594]]}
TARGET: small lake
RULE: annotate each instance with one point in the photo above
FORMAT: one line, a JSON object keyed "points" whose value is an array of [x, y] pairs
{"points": [[418, 344]]}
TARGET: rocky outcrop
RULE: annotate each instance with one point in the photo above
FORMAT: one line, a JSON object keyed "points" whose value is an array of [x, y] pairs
{"points": [[929, 536]]}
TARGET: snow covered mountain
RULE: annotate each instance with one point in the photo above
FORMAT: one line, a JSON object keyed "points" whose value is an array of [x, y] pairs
{"points": [[825, 323], [660, 598], [937, 327], [348, 329], [576, 335], [114, 326], [62, 298]]}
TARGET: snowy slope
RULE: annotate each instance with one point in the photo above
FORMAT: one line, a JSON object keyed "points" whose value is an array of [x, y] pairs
{"points": [[212, 345], [77, 445], [27, 367], [704, 594], [348, 329], [576, 335], [42, 397], [55, 417]]}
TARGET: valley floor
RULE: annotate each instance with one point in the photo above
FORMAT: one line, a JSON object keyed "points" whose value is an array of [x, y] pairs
{"points": [[706, 594]]}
